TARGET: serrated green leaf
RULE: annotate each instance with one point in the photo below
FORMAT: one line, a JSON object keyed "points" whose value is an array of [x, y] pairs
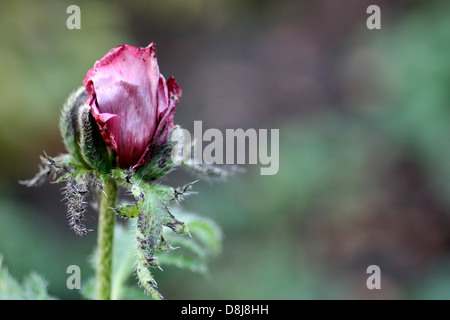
{"points": [[182, 261], [207, 232], [193, 252], [152, 244], [34, 286]]}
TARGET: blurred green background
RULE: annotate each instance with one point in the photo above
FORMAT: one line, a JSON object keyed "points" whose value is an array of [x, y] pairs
{"points": [[364, 119]]}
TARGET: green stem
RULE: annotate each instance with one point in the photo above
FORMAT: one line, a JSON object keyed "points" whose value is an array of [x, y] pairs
{"points": [[105, 239]]}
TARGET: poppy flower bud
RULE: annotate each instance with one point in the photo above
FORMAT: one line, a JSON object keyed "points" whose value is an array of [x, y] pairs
{"points": [[123, 114]]}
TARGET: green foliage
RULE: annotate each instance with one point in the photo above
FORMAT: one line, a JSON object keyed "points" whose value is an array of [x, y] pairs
{"points": [[153, 204], [33, 287], [192, 253], [124, 260], [151, 210]]}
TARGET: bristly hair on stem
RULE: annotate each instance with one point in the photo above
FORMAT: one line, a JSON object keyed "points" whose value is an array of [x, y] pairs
{"points": [[76, 194]]}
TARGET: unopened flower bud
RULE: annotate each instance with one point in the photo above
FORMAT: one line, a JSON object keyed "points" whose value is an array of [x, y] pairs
{"points": [[123, 115]]}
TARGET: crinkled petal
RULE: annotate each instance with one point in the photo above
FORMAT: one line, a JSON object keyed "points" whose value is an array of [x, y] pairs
{"points": [[170, 93], [131, 102], [125, 83], [109, 125]]}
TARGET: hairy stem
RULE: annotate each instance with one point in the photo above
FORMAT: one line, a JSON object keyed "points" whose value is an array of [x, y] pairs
{"points": [[105, 240]]}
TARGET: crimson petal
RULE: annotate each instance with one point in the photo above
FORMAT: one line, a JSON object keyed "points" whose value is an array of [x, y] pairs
{"points": [[123, 87]]}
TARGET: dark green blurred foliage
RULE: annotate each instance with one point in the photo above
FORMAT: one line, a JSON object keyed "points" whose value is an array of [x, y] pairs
{"points": [[364, 119]]}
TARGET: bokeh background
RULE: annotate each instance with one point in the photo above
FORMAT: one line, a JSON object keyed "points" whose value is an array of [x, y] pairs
{"points": [[364, 120]]}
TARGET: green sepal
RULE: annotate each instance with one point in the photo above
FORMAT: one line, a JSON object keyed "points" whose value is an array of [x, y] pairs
{"points": [[91, 144], [160, 162], [68, 123], [82, 136]]}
